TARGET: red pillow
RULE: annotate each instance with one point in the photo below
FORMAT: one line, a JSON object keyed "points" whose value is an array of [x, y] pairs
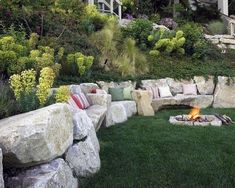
{"points": [[93, 90], [81, 100]]}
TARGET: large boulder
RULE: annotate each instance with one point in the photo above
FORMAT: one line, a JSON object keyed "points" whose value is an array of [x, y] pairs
{"points": [[205, 86], [83, 158], [129, 106], [83, 127], [87, 87], [1, 171], [224, 93], [116, 114], [106, 85], [143, 100], [97, 115], [201, 101], [55, 174], [36, 137]]}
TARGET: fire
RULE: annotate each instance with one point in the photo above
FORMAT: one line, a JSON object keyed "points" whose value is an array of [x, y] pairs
{"points": [[194, 114]]}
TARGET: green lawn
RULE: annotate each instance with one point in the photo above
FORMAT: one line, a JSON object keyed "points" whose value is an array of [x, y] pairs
{"points": [[147, 152]]}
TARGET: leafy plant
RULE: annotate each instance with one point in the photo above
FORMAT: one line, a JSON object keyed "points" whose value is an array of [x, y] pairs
{"points": [[62, 94], [167, 44], [7, 103], [217, 27], [139, 30]]}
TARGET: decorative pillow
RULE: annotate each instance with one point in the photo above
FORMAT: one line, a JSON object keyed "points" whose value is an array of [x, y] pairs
{"points": [[81, 100], [153, 91], [117, 94], [127, 93], [72, 103], [189, 89], [165, 91], [75, 89], [101, 91]]}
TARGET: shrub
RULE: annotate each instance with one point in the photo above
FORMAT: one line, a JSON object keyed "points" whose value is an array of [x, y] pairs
{"points": [[139, 30], [155, 18], [217, 27], [46, 81], [62, 94], [7, 104], [81, 62], [167, 44]]}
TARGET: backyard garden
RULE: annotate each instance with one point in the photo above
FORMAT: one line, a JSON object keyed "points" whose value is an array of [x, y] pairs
{"points": [[72, 75]]}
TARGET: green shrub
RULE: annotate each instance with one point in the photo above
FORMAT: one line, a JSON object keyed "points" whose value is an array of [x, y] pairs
{"points": [[217, 27], [166, 43], [7, 102], [139, 30]]}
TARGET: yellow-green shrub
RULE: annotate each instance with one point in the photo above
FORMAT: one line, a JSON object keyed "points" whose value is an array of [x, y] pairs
{"points": [[46, 81], [62, 94]]}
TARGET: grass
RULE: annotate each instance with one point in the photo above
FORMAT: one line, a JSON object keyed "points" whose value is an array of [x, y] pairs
{"points": [[149, 152]]}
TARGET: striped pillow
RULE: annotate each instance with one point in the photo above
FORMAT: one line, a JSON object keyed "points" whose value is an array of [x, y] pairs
{"points": [[81, 100], [153, 91]]}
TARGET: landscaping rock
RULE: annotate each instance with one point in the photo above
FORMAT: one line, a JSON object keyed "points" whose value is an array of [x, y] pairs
{"points": [[100, 99], [83, 158], [224, 93], [36, 137], [143, 100], [205, 86], [87, 87], [130, 107], [106, 85], [83, 127], [176, 86], [75, 89], [156, 27], [227, 41], [56, 174], [1, 171], [97, 115], [201, 101], [151, 83], [116, 114], [80, 123]]}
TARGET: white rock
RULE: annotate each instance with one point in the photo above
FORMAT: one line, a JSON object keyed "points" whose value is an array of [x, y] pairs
{"points": [[83, 158], [176, 86], [130, 107], [83, 127], [87, 87], [1, 171], [231, 47], [224, 96], [36, 137], [97, 115], [201, 101], [116, 114], [156, 27], [124, 22], [227, 41], [56, 174], [205, 86]]}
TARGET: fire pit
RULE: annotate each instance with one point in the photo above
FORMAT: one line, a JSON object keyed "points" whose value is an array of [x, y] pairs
{"points": [[195, 119]]}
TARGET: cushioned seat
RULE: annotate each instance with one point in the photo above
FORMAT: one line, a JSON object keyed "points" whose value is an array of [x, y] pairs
{"points": [[97, 115], [202, 101]]}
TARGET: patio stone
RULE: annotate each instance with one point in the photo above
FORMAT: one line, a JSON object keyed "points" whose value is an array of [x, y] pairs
{"points": [[36, 137], [55, 174]]}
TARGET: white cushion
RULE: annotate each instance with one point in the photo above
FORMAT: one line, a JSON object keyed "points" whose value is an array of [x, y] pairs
{"points": [[165, 91], [100, 91]]}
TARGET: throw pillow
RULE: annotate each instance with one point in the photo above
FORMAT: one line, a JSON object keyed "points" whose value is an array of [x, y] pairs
{"points": [[117, 94], [72, 103], [189, 89], [165, 91], [81, 100], [127, 93], [153, 91]]}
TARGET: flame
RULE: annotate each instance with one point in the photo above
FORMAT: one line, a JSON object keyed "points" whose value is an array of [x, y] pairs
{"points": [[194, 114]]}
